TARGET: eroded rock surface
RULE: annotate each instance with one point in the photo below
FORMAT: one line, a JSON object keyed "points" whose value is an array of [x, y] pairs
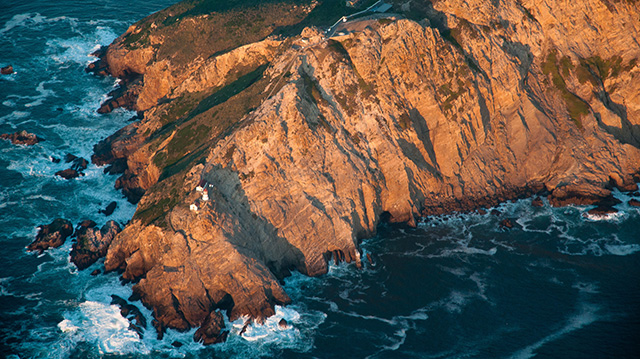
{"points": [[21, 138], [304, 145], [92, 243], [51, 235]]}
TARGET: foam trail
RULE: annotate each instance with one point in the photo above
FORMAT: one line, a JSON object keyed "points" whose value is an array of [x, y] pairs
{"points": [[586, 316]]}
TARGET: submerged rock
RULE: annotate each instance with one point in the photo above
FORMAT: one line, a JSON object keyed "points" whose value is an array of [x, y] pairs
{"points": [[137, 320], [92, 243], [634, 202], [21, 138], [506, 223], [537, 202], [51, 235]]}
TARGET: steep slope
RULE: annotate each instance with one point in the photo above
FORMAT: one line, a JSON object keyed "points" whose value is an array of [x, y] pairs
{"points": [[309, 142]]}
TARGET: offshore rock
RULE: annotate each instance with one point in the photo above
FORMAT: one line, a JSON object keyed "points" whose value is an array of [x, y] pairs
{"points": [[305, 145], [92, 243], [7, 70], [51, 235], [21, 138]]}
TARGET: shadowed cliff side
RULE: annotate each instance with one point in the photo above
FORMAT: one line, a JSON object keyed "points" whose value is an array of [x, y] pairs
{"points": [[307, 142]]}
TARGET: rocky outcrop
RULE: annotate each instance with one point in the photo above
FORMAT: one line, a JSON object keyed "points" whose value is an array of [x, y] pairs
{"points": [[51, 235], [306, 144], [21, 138], [7, 70], [92, 243], [78, 165]]}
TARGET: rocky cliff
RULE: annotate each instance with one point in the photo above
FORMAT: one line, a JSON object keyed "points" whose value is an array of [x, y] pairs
{"points": [[305, 143]]}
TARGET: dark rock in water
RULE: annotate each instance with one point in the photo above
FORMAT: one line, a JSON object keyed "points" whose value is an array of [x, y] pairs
{"points": [[634, 203], [283, 324], [537, 202], [78, 164], [92, 244], [636, 194], [245, 326], [110, 208], [21, 138], [211, 331], [7, 70], [137, 321], [55, 159], [370, 259], [51, 235], [506, 223], [482, 212], [177, 344], [495, 212], [69, 173], [95, 272], [602, 211]]}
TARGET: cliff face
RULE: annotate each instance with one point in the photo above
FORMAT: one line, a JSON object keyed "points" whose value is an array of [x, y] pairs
{"points": [[307, 142]]}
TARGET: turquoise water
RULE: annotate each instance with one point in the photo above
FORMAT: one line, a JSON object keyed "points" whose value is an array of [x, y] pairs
{"points": [[559, 285]]}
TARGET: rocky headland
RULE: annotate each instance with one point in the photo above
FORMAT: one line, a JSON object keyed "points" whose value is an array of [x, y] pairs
{"points": [[303, 144]]}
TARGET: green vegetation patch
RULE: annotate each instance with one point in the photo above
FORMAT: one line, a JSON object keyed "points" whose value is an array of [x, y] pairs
{"points": [[576, 107]]}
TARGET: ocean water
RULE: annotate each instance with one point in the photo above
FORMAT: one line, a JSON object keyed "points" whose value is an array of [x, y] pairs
{"points": [[558, 285]]}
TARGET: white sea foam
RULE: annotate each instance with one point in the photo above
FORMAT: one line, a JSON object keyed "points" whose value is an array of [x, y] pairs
{"points": [[587, 314], [78, 49]]}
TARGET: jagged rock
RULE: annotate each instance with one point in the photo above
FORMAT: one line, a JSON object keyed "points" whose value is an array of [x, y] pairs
{"points": [[212, 330], [69, 173], [55, 159], [21, 138], [7, 70], [283, 324], [51, 235], [92, 243], [95, 272], [537, 202], [389, 122], [78, 164], [137, 321], [506, 223], [109, 209], [634, 202]]}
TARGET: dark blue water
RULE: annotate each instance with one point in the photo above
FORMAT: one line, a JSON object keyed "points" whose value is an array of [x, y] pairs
{"points": [[557, 286]]}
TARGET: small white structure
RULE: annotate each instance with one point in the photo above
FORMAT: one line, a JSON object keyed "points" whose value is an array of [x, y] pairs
{"points": [[201, 185], [193, 207], [205, 195]]}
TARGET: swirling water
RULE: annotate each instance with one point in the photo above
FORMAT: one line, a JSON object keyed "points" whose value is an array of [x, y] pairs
{"points": [[557, 285]]}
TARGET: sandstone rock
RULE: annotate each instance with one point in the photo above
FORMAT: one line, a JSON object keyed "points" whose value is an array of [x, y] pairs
{"points": [[634, 202], [92, 243], [7, 70], [95, 272], [602, 211], [212, 330], [283, 324], [21, 138], [51, 235]]}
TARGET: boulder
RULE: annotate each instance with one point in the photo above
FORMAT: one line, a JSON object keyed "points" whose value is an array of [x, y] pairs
{"points": [[110, 208], [211, 331], [92, 243], [51, 235], [634, 203], [21, 138], [283, 324], [7, 70], [602, 211]]}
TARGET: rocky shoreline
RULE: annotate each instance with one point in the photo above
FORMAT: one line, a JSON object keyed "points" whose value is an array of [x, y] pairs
{"points": [[305, 144]]}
